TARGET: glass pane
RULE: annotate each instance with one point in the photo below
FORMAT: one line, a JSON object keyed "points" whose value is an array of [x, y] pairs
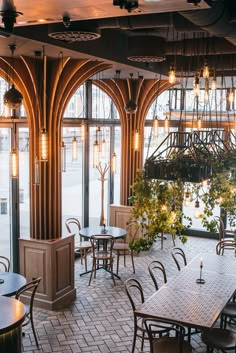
{"points": [[5, 192], [72, 176], [76, 106], [24, 199], [118, 163], [95, 183]]}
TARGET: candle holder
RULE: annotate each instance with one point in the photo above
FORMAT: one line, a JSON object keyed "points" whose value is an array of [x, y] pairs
{"points": [[104, 230], [200, 280]]}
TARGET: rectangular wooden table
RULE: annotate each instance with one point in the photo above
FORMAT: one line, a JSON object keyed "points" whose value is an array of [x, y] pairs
{"points": [[194, 305]]}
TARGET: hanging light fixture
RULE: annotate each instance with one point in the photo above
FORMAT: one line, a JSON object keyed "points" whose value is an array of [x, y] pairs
{"points": [[13, 163], [206, 71], [199, 123], [63, 157], [172, 75], [187, 198], [113, 162], [36, 171], [82, 131], [196, 209], [136, 141], [74, 149], [166, 126], [43, 145], [12, 98], [231, 95], [95, 153], [196, 85], [155, 124]]}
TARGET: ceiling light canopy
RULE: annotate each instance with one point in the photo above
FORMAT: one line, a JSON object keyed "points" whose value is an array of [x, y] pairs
{"points": [[70, 32], [146, 49]]}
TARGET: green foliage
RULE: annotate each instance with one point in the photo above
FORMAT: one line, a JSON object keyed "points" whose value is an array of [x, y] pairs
{"points": [[157, 206]]}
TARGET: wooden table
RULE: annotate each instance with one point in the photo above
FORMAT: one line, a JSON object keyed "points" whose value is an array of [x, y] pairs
{"points": [[116, 232], [11, 283], [12, 315], [194, 305]]}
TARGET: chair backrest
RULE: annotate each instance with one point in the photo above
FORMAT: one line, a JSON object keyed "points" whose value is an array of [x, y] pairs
{"points": [[134, 291], [70, 222], [176, 330], [221, 228], [4, 264], [225, 244], [155, 268], [29, 287], [103, 242], [133, 230], [179, 257]]}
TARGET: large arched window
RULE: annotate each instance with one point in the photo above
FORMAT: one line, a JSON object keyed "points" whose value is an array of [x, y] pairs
{"points": [[14, 193], [91, 117]]}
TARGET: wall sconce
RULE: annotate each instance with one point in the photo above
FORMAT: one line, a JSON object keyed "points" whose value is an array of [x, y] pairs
{"points": [[36, 171], [43, 145], [74, 149], [63, 157], [136, 141], [155, 126], [14, 164], [113, 162]]}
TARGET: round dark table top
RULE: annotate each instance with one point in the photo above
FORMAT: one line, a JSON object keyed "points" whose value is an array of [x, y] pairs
{"points": [[114, 231], [12, 314], [12, 282]]}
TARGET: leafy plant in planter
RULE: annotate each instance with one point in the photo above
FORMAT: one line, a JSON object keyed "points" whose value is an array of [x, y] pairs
{"points": [[157, 206]]}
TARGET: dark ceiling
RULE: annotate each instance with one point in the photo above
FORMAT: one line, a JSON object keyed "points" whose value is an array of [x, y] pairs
{"points": [[156, 34]]}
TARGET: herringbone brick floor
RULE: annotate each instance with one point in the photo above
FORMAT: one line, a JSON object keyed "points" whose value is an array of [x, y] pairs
{"points": [[100, 319]]}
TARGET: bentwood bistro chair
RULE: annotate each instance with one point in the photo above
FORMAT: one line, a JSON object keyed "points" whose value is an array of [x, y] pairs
{"points": [[4, 264], [30, 287], [172, 343], [179, 258], [156, 270], [135, 294], [81, 247], [102, 254]]}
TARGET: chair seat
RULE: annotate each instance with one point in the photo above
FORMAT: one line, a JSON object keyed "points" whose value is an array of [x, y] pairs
{"points": [[83, 245], [230, 310], [219, 338], [121, 247], [102, 255], [170, 345]]}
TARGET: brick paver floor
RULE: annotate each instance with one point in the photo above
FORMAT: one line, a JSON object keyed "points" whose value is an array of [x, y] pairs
{"points": [[100, 319]]}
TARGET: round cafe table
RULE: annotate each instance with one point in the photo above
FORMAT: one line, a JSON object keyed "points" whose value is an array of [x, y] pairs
{"points": [[10, 282], [12, 315]]}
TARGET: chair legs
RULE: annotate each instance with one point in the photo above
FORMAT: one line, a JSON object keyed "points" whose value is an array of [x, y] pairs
{"points": [[33, 329], [118, 260]]}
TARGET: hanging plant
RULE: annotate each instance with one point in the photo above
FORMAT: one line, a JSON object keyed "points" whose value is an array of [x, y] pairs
{"points": [[157, 207]]}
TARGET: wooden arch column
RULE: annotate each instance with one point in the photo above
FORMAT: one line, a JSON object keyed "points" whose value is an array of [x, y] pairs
{"points": [[143, 92], [47, 85]]}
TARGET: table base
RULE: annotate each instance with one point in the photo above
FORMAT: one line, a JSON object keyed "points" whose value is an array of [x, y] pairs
{"points": [[100, 268]]}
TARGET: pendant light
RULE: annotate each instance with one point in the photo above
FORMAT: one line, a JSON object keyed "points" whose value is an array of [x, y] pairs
{"points": [[155, 124], [172, 75], [206, 71], [74, 149], [113, 162], [95, 153], [12, 98], [196, 209], [14, 164], [166, 125]]}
